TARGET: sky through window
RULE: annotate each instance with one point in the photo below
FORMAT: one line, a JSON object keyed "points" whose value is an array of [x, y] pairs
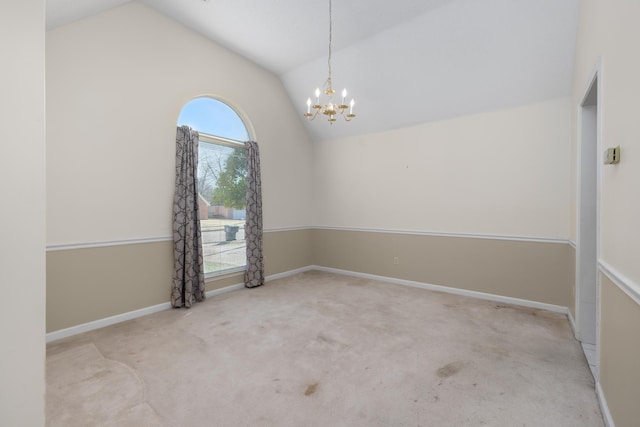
{"points": [[213, 117]]}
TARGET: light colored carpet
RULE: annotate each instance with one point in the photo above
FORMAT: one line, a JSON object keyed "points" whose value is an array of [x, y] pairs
{"points": [[319, 349]]}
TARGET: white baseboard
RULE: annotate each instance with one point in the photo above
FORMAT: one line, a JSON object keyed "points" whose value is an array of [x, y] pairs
{"points": [[289, 273], [450, 290], [118, 318], [214, 292], [606, 415], [101, 323], [123, 317]]}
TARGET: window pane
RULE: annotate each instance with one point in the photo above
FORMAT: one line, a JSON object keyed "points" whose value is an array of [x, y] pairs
{"points": [[221, 182], [222, 189], [213, 117]]}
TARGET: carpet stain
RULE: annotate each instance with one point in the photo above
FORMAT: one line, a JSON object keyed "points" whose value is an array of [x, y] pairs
{"points": [[311, 388], [323, 338], [449, 369]]}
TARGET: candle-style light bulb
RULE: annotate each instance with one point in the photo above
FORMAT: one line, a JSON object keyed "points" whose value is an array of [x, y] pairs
{"points": [[308, 105], [317, 95], [351, 104], [344, 95]]}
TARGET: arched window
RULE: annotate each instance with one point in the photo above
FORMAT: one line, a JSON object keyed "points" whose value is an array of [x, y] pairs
{"points": [[222, 169]]}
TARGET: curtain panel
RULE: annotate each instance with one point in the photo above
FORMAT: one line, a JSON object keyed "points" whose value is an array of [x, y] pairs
{"points": [[254, 274], [188, 272]]}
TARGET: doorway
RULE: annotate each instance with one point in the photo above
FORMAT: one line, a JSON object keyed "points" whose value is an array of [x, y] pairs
{"points": [[588, 227]]}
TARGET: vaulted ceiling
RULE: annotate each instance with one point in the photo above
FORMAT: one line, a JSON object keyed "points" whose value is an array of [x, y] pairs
{"points": [[405, 61]]}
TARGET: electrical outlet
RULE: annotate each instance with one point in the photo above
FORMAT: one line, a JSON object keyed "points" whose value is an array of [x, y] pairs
{"points": [[396, 260]]}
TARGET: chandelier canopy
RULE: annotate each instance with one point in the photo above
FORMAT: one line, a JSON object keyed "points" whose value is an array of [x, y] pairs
{"points": [[329, 108]]}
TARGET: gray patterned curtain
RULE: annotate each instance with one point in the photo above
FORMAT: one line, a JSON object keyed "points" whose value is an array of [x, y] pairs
{"points": [[188, 273], [254, 274]]}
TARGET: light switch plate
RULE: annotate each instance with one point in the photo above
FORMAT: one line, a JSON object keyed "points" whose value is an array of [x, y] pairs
{"points": [[612, 155]]}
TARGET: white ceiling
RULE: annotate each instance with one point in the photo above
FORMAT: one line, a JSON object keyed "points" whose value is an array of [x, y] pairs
{"points": [[405, 61]]}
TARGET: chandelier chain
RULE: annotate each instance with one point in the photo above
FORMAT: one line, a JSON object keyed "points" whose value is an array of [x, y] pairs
{"points": [[330, 39]]}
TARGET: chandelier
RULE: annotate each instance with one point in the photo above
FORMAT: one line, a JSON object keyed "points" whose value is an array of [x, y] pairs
{"points": [[330, 109]]}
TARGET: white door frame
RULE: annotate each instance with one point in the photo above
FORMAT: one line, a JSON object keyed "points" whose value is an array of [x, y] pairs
{"points": [[587, 303]]}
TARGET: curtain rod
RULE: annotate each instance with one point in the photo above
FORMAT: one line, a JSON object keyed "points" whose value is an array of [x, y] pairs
{"points": [[220, 140]]}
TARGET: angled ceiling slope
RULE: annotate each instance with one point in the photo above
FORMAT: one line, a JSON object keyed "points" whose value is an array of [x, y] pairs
{"points": [[406, 62]]}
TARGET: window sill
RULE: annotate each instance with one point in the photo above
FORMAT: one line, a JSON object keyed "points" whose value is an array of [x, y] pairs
{"points": [[223, 274]]}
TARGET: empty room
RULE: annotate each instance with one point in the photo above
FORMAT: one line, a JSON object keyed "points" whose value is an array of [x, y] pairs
{"points": [[320, 213]]}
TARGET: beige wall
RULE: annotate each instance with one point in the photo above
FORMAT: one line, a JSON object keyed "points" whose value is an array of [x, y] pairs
{"points": [[22, 223], [93, 283], [528, 270], [89, 284], [608, 31], [502, 173], [116, 83], [287, 250], [114, 93], [620, 354], [499, 173]]}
